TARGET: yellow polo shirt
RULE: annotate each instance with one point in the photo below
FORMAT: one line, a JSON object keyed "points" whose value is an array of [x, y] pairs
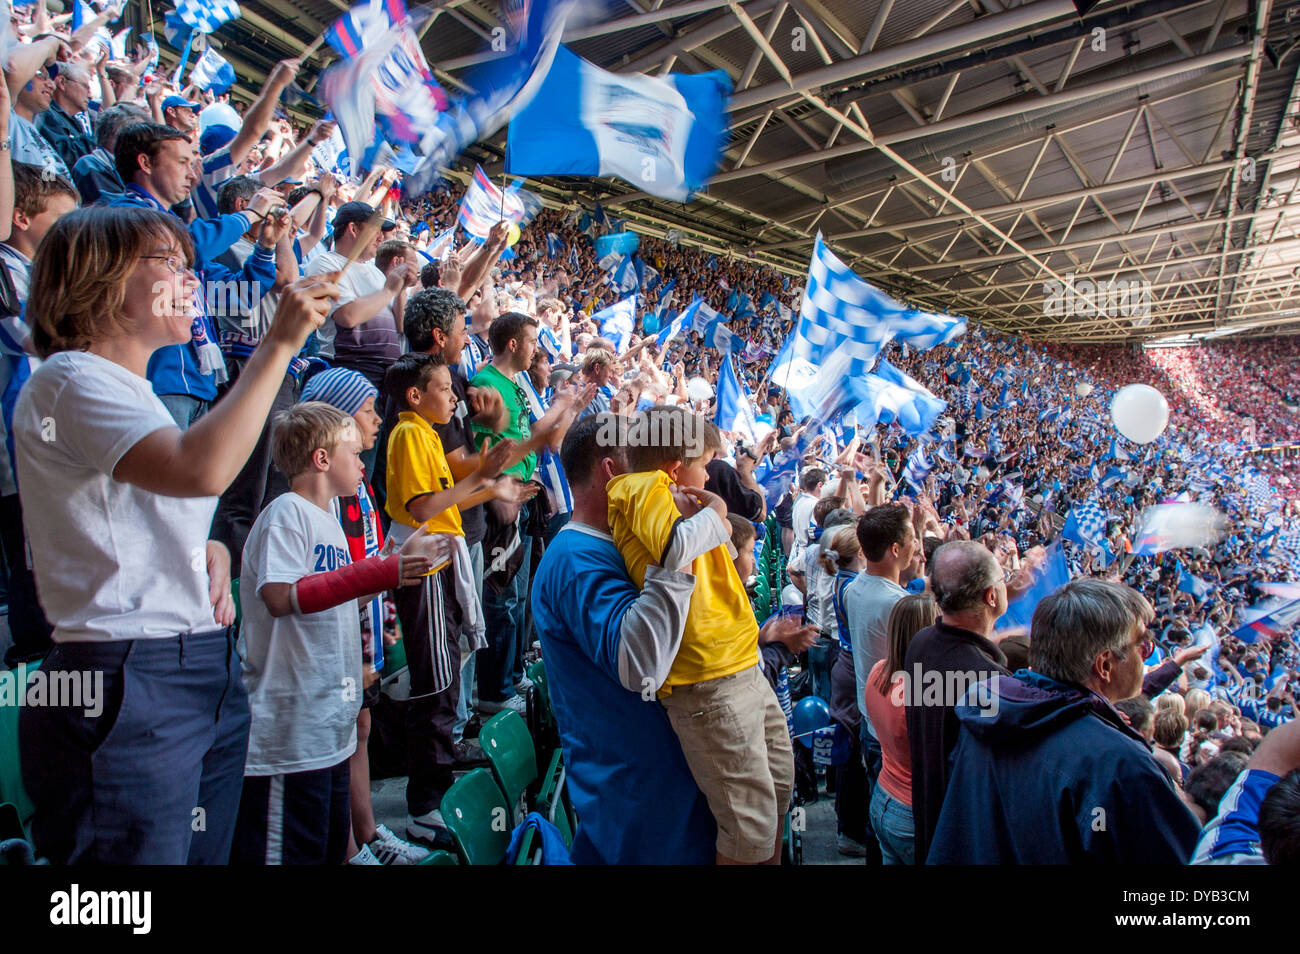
{"points": [[721, 634], [417, 466]]}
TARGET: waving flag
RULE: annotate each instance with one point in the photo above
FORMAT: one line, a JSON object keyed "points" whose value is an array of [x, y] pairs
{"points": [[685, 320], [918, 469], [734, 412], [1176, 526], [616, 322], [204, 16], [620, 243], [663, 134], [483, 204], [1271, 619], [554, 245], [1187, 583], [925, 329], [214, 74], [926, 408], [1051, 576], [841, 315], [1086, 525], [364, 25], [776, 475], [441, 246]]}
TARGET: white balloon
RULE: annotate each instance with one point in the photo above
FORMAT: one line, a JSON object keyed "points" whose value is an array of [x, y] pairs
{"points": [[1140, 412], [1083, 389], [699, 389]]}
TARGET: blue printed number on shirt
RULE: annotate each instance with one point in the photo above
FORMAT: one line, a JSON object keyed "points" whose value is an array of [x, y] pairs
{"points": [[329, 558]]}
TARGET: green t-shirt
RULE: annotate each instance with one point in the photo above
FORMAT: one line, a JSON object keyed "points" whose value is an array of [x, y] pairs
{"points": [[518, 429]]}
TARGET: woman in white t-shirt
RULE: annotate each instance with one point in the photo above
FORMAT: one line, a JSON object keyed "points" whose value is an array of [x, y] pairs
{"points": [[141, 758]]}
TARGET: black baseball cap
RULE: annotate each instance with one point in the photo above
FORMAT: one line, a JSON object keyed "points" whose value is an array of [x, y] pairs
{"points": [[350, 212]]}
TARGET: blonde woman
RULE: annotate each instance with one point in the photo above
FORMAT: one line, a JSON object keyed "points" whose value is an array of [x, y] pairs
{"points": [[118, 502]]}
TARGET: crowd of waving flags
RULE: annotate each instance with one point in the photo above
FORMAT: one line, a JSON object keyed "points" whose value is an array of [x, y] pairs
{"points": [[665, 135]]}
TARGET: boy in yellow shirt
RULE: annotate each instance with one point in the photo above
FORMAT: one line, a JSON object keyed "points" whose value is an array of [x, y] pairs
{"points": [[421, 490], [730, 725]]}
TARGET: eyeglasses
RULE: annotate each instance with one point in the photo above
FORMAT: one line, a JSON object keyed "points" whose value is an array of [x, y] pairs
{"points": [[175, 263], [1147, 646]]}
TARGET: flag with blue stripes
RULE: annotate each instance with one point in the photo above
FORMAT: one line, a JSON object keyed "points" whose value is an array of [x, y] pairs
{"points": [[924, 330], [214, 74], [364, 25], [663, 134], [1187, 583], [484, 205], [554, 245], [617, 321], [1086, 526], [918, 469], [685, 321], [205, 16], [734, 412]]}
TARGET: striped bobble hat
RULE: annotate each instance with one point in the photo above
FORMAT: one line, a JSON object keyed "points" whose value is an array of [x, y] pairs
{"points": [[342, 388]]}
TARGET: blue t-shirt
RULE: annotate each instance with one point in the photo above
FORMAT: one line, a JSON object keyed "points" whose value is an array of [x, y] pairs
{"points": [[633, 792]]}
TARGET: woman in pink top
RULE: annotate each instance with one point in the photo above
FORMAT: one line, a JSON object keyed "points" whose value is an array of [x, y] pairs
{"points": [[891, 802]]}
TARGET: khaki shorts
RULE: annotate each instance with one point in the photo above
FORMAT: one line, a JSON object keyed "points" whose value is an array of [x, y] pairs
{"points": [[736, 742]]}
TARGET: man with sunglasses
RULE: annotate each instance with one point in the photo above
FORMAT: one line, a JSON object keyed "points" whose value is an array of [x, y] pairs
{"points": [[66, 123], [1046, 770]]}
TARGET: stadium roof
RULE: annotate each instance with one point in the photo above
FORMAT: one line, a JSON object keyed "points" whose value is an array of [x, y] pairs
{"points": [[961, 153]]}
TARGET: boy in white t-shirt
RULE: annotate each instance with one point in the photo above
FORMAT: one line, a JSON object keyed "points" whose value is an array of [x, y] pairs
{"points": [[300, 644]]}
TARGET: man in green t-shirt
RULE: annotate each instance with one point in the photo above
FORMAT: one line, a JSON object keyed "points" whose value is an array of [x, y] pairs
{"points": [[513, 338]]}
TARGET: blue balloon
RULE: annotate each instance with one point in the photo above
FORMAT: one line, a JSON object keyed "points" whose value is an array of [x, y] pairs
{"points": [[810, 714], [1128, 500]]}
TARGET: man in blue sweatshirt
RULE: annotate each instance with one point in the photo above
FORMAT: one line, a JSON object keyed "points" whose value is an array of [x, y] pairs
{"points": [[157, 164], [1046, 771]]}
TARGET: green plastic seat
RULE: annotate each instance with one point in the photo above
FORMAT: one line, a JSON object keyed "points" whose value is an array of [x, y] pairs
{"points": [[553, 799], [509, 750], [440, 858], [394, 658], [530, 850], [541, 717], [476, 814], [13, 683], [234, 595]]}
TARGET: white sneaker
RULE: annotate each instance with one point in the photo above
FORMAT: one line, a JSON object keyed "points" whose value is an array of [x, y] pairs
{"points": [[429, 829], [523, 685], [391, 850], [518, 703], [364, 857]]}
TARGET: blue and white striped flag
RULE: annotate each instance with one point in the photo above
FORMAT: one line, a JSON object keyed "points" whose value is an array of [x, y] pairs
{"points": [[925, 329], [554, 245], [617, 321], [205, 16], [734, 412], [663, 134], [483, 206], [685, 321], [1086, 525], [918, 469], [213, 73]]}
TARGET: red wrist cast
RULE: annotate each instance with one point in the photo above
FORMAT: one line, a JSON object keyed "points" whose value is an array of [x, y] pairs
{"points": [[321, 591]]}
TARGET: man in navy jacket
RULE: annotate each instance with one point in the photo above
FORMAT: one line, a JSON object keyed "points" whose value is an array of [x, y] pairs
{"points": [[1046, 771]]}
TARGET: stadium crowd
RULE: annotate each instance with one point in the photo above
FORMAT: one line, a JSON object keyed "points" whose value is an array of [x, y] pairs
{"points": [[230, 373]]}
